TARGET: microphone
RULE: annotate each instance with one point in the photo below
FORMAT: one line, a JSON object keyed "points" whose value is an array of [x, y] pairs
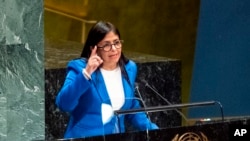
{"points": [[144, 107], [139, 94], [108, 113], [140, 97], [164, 99]]}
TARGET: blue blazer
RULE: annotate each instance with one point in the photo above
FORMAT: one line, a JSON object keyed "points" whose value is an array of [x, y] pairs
{"points": [[83, 100]]}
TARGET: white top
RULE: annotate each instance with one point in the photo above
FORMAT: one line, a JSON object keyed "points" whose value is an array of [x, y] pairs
{"points": [[113, 82]]}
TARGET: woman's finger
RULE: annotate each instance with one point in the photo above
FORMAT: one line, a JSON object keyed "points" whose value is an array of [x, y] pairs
{"points": [[93, 51]]}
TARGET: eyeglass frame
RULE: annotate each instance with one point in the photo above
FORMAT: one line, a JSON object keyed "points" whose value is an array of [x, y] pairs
{"points": [[111, 45]]}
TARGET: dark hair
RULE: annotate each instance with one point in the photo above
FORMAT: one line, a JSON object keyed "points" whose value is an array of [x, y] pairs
{"points": [[95, 35]]}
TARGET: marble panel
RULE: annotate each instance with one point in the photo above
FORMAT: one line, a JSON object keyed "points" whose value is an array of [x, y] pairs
{"points": [[21, 92], [159, 83], [21, 21], [2, 18], [21, 70]]}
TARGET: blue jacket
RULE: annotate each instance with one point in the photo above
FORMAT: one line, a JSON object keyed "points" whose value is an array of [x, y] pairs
{"points": [[83, 100]]}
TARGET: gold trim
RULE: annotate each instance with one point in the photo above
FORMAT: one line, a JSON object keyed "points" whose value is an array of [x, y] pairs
{"points": [[70, 16]]}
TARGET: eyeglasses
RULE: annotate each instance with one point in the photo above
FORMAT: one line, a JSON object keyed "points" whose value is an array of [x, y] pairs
{"points": [[107, 47]]}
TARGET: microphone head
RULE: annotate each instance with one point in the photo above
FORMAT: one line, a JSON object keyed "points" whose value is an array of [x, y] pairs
{"points": [[136, 85], [145, 83]]}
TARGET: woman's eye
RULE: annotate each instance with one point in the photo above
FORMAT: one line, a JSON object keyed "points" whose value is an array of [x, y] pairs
{"points": [[106, 45]]}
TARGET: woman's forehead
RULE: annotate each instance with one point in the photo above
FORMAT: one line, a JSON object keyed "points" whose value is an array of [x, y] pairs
{"points": [[110, 37]]}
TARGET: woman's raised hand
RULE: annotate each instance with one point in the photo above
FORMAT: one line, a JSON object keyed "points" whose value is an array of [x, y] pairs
{"points": [[94, 61]]}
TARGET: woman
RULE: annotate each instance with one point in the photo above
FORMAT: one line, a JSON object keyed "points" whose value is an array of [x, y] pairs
{"points": [[98, 83]]}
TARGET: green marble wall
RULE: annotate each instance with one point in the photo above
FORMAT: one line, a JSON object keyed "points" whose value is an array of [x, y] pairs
{"points": [[21, 70]]}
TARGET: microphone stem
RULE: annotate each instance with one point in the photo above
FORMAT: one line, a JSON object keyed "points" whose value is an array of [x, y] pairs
{"points": [[169, 103], [143, 103]]}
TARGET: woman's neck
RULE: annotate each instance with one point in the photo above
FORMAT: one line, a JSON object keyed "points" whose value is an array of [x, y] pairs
{"points": [[109, 66]]}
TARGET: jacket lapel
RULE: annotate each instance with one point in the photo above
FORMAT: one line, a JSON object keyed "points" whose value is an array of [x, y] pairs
{"points": [[100, 86], [128, 90]]}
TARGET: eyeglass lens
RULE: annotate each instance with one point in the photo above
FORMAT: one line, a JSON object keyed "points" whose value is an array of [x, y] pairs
{"points": [[108, 47]]}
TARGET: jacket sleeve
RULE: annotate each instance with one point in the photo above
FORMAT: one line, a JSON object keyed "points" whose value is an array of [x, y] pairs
{"points": [[140, 120], [74, 86]]}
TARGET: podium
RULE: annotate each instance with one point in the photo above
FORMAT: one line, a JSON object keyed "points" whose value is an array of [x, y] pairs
{"points": [[215, 130], [169, 121], [209, 131]]}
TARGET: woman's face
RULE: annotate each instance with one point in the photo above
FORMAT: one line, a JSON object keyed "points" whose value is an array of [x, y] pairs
{"points": [[109, 49]]}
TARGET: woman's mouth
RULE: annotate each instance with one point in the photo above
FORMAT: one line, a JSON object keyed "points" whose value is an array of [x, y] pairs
{"points": [[114, 55]]}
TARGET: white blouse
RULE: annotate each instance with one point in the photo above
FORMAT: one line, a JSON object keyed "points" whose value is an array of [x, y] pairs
{"points": [[113, 82]]}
